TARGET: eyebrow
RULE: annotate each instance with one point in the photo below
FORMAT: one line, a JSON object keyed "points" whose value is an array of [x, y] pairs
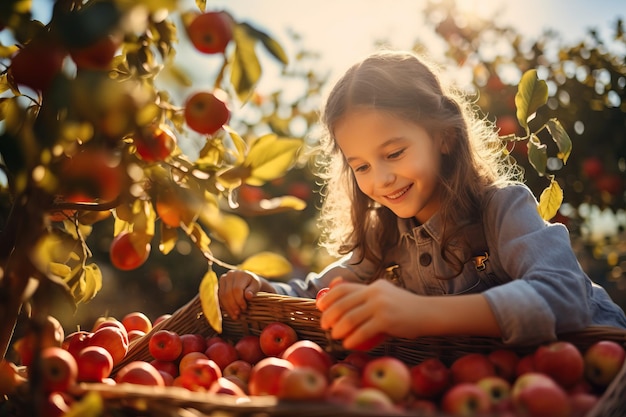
{"points": [[386, 143]]}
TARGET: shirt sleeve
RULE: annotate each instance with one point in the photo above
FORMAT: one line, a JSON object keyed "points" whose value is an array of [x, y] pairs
{"points": [[549, 291]]}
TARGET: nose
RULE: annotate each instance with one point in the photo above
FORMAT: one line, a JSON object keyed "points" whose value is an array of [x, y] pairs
{"points": [[384, 177]]}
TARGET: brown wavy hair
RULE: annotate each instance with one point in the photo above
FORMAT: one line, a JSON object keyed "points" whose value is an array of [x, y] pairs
{"points": [[406, 85]]}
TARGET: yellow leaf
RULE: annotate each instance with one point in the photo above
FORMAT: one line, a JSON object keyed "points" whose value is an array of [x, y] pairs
{"points": [[233, 230], [271, 157], [209, 301], [169, 237], [550, 200], [245, 69], [267, 264], [532, 93], [91, 405], [58, 269], [93, 282]]}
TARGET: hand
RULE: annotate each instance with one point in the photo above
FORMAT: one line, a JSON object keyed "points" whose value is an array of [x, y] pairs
{"points": [[357, 313], [235, 289]]}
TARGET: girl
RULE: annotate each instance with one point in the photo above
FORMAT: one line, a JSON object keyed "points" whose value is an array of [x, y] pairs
{"points": [[418, 193]]}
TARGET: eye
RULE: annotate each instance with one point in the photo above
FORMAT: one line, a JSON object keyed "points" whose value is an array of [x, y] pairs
{"points": [[360, 168], [396, 154]]}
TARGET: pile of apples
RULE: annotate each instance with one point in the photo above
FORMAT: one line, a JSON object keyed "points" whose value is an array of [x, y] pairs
{"points": [[556, 379]]}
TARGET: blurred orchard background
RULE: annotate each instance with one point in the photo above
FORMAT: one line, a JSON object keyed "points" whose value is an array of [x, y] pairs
{"points": [[578, 47]]}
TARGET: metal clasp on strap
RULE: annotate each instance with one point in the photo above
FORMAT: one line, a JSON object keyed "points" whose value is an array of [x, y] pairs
{"points": [[392, 274], [479, 261]]}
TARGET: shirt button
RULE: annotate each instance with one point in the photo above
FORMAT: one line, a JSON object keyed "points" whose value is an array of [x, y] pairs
{"points": [[425, 259]]}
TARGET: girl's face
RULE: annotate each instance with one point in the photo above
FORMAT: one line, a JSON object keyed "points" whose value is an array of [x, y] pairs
{"points": [[395, 161]]}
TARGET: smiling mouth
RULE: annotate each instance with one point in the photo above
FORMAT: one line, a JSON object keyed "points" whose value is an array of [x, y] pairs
{"points": [[399, 193]]}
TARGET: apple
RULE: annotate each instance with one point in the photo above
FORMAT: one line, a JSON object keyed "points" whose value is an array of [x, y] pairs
{"points": [[249, 349], [94, 364], [97, 55], [113, 340], [357, 358], [210, 32], [265, 375], [339, 369], [135, 334], [371, 343], [169, 367], [497, 388], [57, 404], [422, 407], [302, 383], [200, 375], [136, 320], [342, 390], [205, 113], [215, 339], [168, 379], [276, 337], [526, 364], [465, 399], [373, 399], [129, 250], [59, 369], [192, 342], [227, 387], [388, 374], [505, 363], [430, 378], [10, 377], [140, 373], [310, 354], [161, 319], [110, 322], [239, 368], [37, 63], [562, 361], [165, 345], [190, 358], [471, 367], [535, 394], [155, 144], [49, 333], [581, 403], [237, 381], [222, 354], [603, 360], [76, 341]]}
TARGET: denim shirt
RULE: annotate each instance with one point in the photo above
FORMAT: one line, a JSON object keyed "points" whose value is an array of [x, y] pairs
{"points": [[531, 278]]}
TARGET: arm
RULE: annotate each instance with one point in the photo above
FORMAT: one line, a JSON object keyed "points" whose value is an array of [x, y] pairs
{"points": [[356, 313]]}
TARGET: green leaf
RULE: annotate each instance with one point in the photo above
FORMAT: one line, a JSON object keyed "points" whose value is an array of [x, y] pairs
{"points": [[562, 139], [209, 301], [550, 200], [272, 46], [267, 264], [245, 69], [532, 93], [537, 155], [271, 157]]}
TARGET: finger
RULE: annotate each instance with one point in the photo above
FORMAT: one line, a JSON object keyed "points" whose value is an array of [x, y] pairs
{"points": [[338, 305], [350, 321]]}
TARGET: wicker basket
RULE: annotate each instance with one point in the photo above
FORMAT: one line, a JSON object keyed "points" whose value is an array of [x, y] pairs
{"points": [[303, 316]]}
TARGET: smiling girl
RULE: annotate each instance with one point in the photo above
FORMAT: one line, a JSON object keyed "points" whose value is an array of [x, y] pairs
{"points": [[437, 232]]}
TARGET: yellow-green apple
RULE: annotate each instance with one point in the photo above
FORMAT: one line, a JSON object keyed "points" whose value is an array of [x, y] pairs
{"points": [[430, 378], [10, 377], [342, 390], [465, 399], [200, 375], [373, 399], [140, 373], [58, 369], [227, 387], [265, 375], [136, 320], [205, 113], [190, 358], [170, 367], [239, 368], [192, 342], [535, 394], [505, 363], [339, 369], [276, 337], [498, 389], [94, 364], [526, 364], [603, 361], [249, 348], [388, 374], [57, 404], [165, 345], [302, 383], [76, 341], [310, 354], [471, 367], [112, 339], [222, 354], [562, 361], [581, 403], [39, 336]]}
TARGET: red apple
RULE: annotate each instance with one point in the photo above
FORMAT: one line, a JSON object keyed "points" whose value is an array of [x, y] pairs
{"points": [[190, 358], [505, 363], [168, 379], [371, 343], [140, 373], [210, 32], [205, 113], [302, 383], [581, 403], [430, 378], [310, 354], [160, 319], [358, 359], [58, 369], [136, 320], [471, 367], [169, 367], [10, 377], [603, 360], [388, 374], [200, 375], [50, 334], [276, 337], [110, 322], [94, 364], [249, 349], [77, 341], [342, 390], [239, 368], [526, 364], [135, 334], [227, 387], [112, 339], [57, 404], [192, 342], [165, 345], [535, 394], [214, 339], [465, 399], [562, 361], [265, 375], [222, 354], [373, 399]]}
